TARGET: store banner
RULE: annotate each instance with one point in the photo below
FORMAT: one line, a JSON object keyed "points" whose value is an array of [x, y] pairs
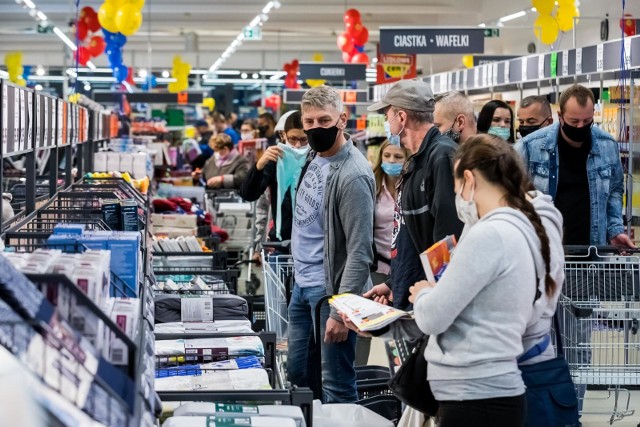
{"points": [[391, 68], [333, 71], [431, 40], [490, 59]]}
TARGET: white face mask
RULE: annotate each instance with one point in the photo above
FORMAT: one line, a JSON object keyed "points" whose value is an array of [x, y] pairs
{"points": [[246, 135], [467, 209]]}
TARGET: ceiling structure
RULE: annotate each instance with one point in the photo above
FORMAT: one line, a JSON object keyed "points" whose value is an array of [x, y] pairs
{"points": [[200, 30]]}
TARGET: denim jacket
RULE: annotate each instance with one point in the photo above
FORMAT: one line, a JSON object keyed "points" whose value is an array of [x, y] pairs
{"points": [[604, 171]]}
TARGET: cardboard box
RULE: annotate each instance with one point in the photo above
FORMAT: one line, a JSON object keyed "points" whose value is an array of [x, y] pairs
{"points": [[111, 213], [125, 261], [100, 161], [129, 215], [125, 313], [76, 229], [175, 221], [173, 232], [139, 165], [113, 162]]}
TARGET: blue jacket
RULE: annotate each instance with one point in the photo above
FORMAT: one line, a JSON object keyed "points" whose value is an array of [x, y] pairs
{"points": [[604, 171]]}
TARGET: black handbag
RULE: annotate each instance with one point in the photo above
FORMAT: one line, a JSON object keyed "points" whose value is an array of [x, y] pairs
{"points": [[410, 383], [551, 394]]}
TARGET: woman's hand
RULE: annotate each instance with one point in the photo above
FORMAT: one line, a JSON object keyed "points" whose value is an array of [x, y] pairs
{"points": [[272, 154], [415, 289], [380, 293]]}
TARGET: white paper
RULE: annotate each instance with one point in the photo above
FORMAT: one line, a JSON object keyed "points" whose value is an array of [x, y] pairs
{"points": [[196, 309], [476, 77], [627, 53], [494, 73], [541, 67], [30, 122], [507, 66], [38, 121], [578, 61], [465, 79], [16, 121], [565, 63], [600, 58], [524, 69], [5, 124], [485, 73]]}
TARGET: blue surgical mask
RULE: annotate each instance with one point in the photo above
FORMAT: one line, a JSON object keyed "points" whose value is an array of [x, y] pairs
{"points": [[392, 169], [504, 133], [393, 139]]}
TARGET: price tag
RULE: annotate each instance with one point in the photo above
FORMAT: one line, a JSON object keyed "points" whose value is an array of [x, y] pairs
{"points": [[5, 124], [507, 66], [627, 53], [578, 60], [495, 74], [600, 58], [465, 79], [553, 65], [17, 133], [183, 98], [30, 121], [476, 77], [460, 77], [449, 81], [541, 67], [524, 69], [565, 63], [38, 123]]}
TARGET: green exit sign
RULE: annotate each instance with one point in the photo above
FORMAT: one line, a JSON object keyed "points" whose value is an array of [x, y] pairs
{"points": [[492, 32], [252, 33]]}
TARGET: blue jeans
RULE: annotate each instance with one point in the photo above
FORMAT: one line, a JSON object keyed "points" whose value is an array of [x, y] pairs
{"points": [[338, 372]]}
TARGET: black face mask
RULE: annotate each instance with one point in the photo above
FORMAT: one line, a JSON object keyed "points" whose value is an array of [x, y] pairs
{"points": [[581, 134], [527, 130], [322, 139], [263, 130], [454, 135]]}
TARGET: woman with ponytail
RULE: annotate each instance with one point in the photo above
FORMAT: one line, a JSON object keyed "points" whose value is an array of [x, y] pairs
{"points": [[495, 300]]}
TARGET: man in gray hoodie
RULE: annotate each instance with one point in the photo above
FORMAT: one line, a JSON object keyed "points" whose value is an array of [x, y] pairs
{"points": [[331, 243]]}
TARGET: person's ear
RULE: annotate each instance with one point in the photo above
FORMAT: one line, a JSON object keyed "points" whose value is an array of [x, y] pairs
{"points": [[469, 178], [342, 123], [462, 121]]}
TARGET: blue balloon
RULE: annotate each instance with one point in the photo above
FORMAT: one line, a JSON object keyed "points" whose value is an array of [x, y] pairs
{"points": [[120, 72], [153, 82], [119, 39], [114, 54], [360, 48], [26, 70]]}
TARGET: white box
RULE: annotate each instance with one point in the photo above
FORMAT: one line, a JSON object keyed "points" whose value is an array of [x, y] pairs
{"points": [[100, 161], [113, 162], [126, 163], [139, 167], [178, 221], [125, 313]]}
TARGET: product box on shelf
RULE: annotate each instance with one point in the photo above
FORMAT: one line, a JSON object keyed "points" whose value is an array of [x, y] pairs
{"points": [[100, 161], [69, 228], [173, 232], [129, 215], [125, 313], [111, 213], [175, 221], [125, 260]]}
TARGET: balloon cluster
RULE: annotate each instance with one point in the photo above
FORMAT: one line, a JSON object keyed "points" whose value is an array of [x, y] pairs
{"points": [[351, 42], [547, 26], [628, 25], [90, 44], [113, 48], [291, 80], [13, 61], [273, 102], [317, 57], [180, 72], [121, 16]]}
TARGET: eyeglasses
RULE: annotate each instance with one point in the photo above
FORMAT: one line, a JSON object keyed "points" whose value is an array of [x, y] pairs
{"points": [[294, 140]]}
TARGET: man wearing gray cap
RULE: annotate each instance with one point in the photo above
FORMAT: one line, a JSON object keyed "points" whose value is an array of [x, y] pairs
{"points": [[425, 207]]}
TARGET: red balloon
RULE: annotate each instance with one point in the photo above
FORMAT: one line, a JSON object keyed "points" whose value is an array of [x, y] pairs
{"points": [[353, 28], [290, 82], [362, 38], [346, 57], [295, 64], [286, 68], [351, 15], [130, 76], [90, 18], [360, 58], [81, 30], [82, 55], [96, 46], [345, 42]]}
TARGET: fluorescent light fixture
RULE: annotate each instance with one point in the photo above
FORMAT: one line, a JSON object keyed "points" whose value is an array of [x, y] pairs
{"points": [[29, 4], [87, 86], [268, 7], [276, 4], [72, 73], [244, 75], [255, 75], [533, 9], [483, 25], [38, 87], [278, 75], [248, 82], [240, 37], [97, 79], [371, 70], [371, 79], [513, 16], [58, 32], [4, 74], [264, 18], [128, 87], [228, 72], [40, 71], [166, 74], [91, 66], [255, 21], [143, 73], [166, 80], [48, 78], [374, 60], [41, 16]]}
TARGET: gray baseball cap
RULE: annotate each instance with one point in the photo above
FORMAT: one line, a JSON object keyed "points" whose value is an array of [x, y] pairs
{"points": [[411, 94]]}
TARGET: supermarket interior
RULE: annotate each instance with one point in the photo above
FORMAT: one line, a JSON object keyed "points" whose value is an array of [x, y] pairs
{"points": [[212, 211]]}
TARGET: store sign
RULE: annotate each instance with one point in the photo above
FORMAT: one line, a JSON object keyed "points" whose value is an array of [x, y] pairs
{"points": [[333, 71], [391, 68], [252, 33], [431, 40], [489, 59]]}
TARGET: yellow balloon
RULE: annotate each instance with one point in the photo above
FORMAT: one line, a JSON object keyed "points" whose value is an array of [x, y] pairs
{"points": [[314, 82], [139, 4], [543, 7], [20, 81], [210, 103], [546, 29], [184, 69], [190, 132], [565, 17], [172, 87], [317, 57], [128, 19], [107, 17], [567, 3], [467, 61], [115, 3]]}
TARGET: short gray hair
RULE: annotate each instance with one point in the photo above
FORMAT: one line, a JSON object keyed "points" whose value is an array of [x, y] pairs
{"points": [[455, 103], [321, 97], [419, 117], [545, 106]]}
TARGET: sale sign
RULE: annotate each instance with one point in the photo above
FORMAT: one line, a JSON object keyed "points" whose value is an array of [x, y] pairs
{"points": [[394, 67]]}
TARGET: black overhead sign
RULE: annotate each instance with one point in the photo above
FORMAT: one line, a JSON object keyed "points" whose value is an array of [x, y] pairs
{"points": [[334, 71], [431, 40]]}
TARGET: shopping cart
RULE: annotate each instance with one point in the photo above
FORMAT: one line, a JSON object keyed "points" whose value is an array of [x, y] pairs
{"points": [[598, 311], [278, 273]]}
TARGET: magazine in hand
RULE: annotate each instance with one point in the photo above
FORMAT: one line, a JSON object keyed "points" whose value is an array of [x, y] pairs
{"points": [[437, 257], [366, 314]]}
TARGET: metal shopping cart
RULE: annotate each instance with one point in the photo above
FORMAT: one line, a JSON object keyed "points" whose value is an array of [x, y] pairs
{"points": [[598, 311], [278, 273]]}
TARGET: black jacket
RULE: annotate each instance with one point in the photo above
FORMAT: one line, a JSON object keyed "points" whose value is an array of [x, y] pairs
{"points": [[255, 184]]}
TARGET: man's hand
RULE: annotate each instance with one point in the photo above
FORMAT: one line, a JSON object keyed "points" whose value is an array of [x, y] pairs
{"points": [[380, 293], [215, 182], [272, 154], [196, 174], [257, 259], [349, 324], [336, 331], [622, 240], [415, 289]]}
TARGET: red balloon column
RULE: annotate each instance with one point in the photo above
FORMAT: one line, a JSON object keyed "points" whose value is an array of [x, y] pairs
{"points": [[352, 41], [90, 45], [291, 80]]}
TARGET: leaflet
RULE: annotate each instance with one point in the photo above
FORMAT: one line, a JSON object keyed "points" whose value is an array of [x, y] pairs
{"points": [[366, 314]]}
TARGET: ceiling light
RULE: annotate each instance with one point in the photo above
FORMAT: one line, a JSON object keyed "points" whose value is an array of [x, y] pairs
{"points": [[58, 32], [276, 4], [38, 87], [40, 71], [268, 7], [483, 25], [228, 72], [143, 73], [127, 86], [374, 60], [33, 13], [87, 86], [48, 78], [533, 9], [92, 66], [166, 80], [72, 73], [41, 16], [255, 75], [244, 75], [166, 74], [513, 16], [29, 4], [255, 21]]}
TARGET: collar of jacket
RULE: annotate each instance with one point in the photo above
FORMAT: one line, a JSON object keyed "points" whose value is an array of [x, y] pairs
{"points": [[431, 135], [552, 135]]}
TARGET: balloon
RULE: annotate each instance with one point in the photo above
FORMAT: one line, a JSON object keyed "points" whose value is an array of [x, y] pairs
{"points": [[114, 54], [317, 57], [565, 17], [115, 3], [295, 64], [90, 18], [565, 3], [120, 72], [362, 38], [138, 4], [83, 55], [546, 29], [20, 81], [153, 82], [346, 57], [360, 58], [128, 19], [345, 43], [210, 103], [467, 61], [351, 15], [315, 82], [96, 46], [130, 74], [172, 88], [543, 7], [82, 30], [107, 17], [353, 28], [290, 82]]}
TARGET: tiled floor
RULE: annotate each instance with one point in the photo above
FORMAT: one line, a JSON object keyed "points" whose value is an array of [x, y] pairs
{"points": [[596, 401]]}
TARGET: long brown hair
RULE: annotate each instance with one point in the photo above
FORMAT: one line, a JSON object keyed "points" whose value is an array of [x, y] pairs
{"points": [[499, 164], [377, 169]]}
